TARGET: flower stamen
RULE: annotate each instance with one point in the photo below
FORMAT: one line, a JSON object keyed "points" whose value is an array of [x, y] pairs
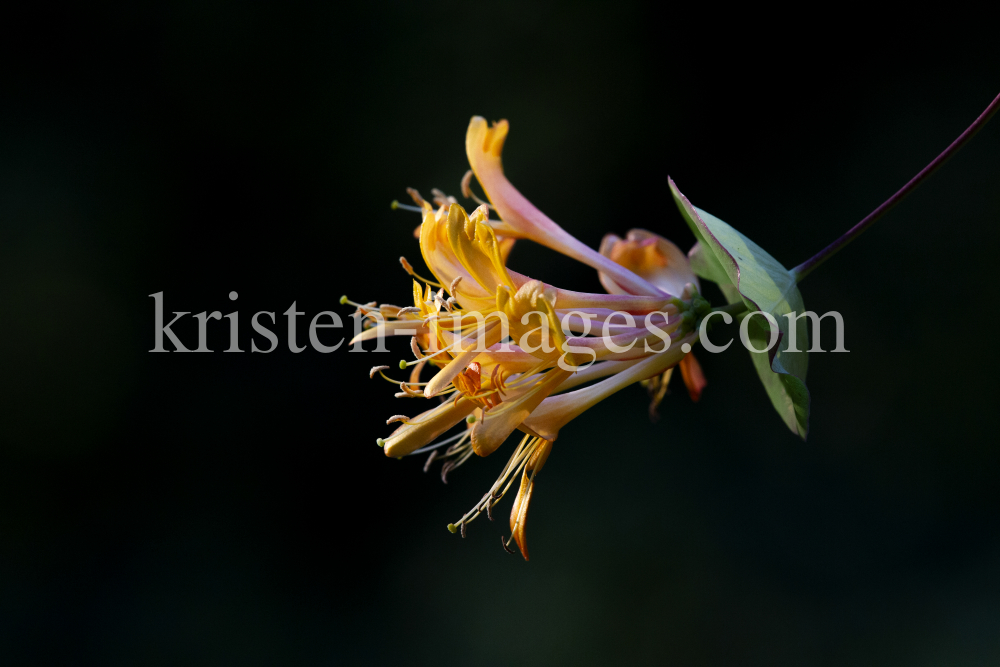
{"points": [[406, 391], [467, 189], [403, 363], [409, 269], [415, 196], [442, 443], [441, 199], [406, 207], [519, 459], [362, 308], [380, 371]]}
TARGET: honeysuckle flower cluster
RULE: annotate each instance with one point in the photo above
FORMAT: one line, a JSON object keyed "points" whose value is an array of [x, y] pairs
{"points": [[498, 352], [504, 352]]}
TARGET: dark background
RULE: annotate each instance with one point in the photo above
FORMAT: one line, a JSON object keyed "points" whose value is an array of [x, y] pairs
{"points": [[234, 509]]}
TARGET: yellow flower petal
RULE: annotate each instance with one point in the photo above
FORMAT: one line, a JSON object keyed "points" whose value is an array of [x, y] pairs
{"points": [[491, 431], [424, 428], [457, 246], [525, 310], [519, 513]]}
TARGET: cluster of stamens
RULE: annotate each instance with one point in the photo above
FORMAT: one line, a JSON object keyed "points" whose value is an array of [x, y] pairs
{"points": [[515, 465], [444, 332]]}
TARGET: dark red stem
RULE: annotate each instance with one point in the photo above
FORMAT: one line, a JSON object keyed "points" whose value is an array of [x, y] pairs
{"points": [[806, 267]]}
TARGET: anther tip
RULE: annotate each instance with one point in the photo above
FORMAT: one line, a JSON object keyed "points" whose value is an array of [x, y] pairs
{"points": [[380, 442], [452, 528], [402, 364], [343, 300], [394, 205]]}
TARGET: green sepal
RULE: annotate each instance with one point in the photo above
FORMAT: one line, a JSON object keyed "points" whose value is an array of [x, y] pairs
{"points": [[746, 272]]}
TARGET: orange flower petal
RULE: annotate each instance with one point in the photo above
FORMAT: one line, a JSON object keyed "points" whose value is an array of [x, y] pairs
{"points": [[694, 378], [650, 256]]}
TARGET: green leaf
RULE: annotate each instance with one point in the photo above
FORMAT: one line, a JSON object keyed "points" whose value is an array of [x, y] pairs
{"points": [[745, 272], [706, 265]]}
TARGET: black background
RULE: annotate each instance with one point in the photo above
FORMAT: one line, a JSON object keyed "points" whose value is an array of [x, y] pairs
{"points": [[234, 509]]}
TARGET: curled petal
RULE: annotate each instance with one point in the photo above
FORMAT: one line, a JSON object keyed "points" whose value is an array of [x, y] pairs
{"points": [[455, 245], [491, 431], [544, 335], [648, 255], [519, 513]]}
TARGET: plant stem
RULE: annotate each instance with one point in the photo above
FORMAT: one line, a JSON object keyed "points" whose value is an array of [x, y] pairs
{"points": [[732, 309], [806, 267]]}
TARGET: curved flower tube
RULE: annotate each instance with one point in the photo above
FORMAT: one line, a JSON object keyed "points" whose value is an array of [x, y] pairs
{"points": [[557, 411], [483, 146]]}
